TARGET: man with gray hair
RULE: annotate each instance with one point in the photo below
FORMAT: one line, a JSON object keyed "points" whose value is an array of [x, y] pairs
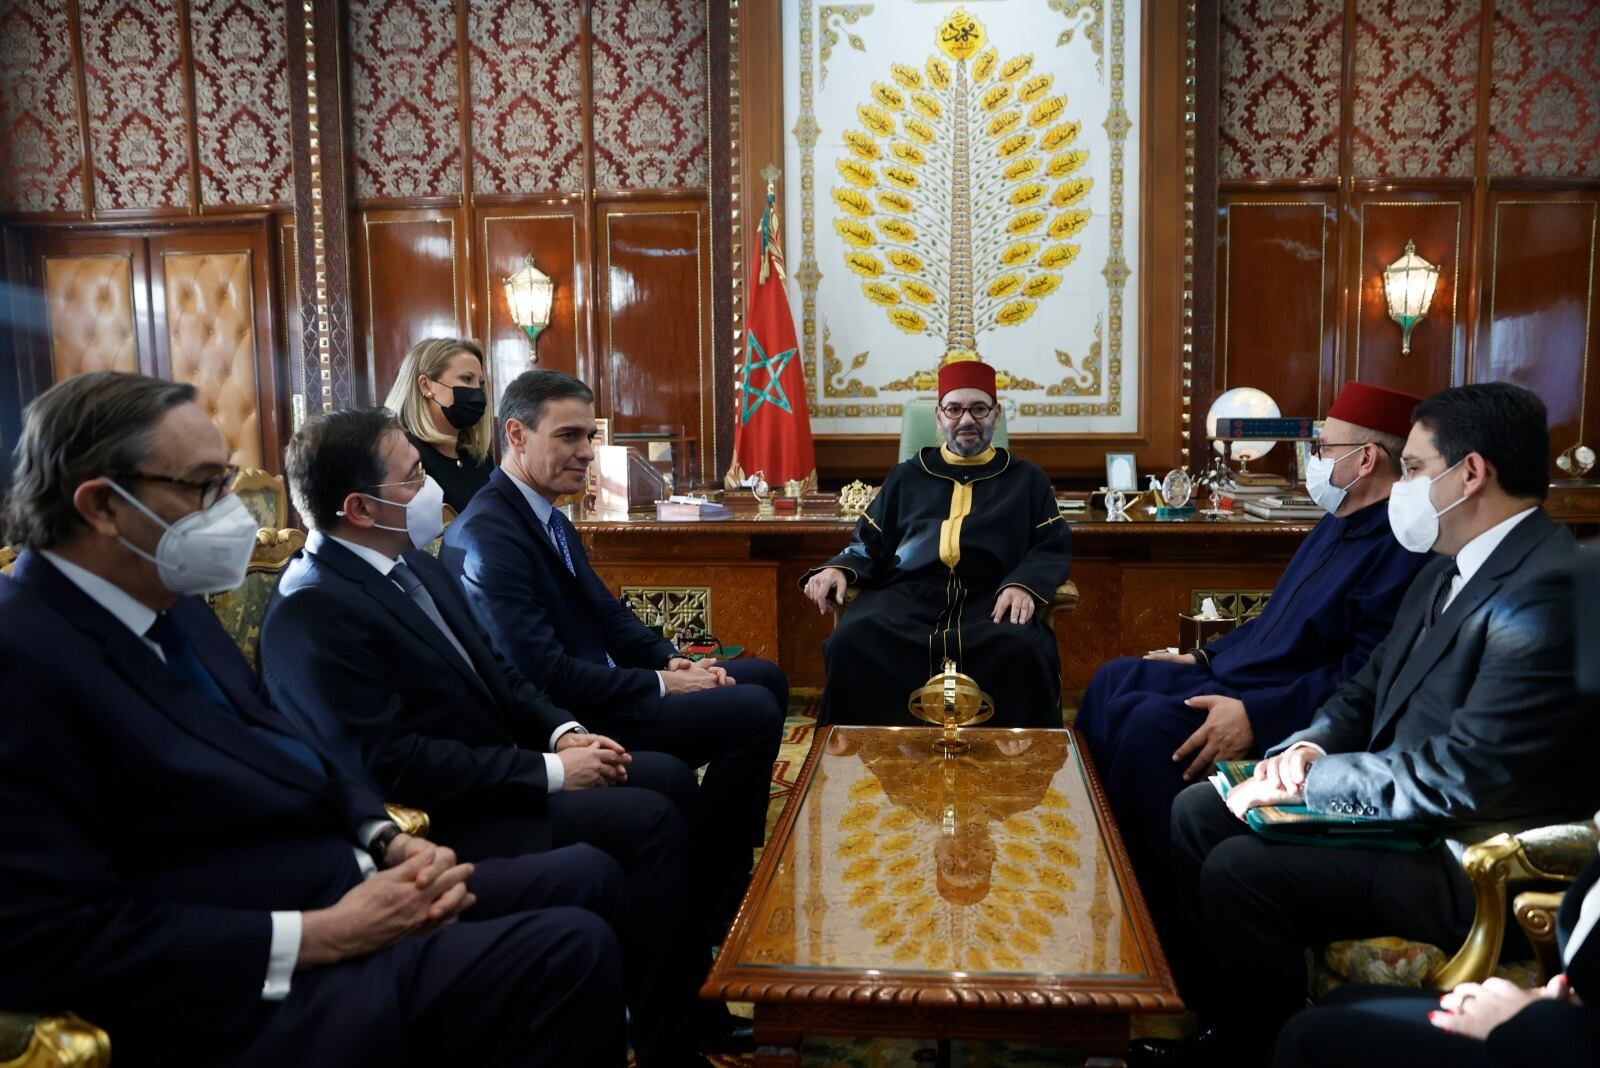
{"points": [[175, 842]]}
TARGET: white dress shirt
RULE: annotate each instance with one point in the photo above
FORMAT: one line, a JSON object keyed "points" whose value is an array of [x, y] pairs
{"points": [[284, 951], [545, 511]]}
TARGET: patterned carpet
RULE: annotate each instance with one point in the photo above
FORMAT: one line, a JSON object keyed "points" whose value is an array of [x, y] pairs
{"points": [[827, 1052]]}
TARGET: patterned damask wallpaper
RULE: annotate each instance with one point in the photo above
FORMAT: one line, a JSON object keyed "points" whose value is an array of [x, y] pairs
{"points": [[241, 93], [41, 169], [1544, 113], [133, 71], [650, 108], [1416, 84], [1280, 71], [405, 98], [527, 96]]}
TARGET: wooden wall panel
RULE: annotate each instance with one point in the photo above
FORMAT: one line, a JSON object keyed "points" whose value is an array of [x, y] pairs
{"points": [[1540, 318], [408, 286], [654, 264], [1386, 221], [550, 233], [1277, 298]]}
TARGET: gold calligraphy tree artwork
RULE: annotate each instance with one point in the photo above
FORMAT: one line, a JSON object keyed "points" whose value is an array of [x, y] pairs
{"points": [[959, 201]]}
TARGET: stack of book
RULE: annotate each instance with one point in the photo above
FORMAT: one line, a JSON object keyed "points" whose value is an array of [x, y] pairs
{"points": [[683, 508], [1282, 506]]}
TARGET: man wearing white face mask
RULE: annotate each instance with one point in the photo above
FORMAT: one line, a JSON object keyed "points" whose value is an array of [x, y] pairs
{"points": [[1156, 722], [177, 840], [371, 646], [1464, 717]]}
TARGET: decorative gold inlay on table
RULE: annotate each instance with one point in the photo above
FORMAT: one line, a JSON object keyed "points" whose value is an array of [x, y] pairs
{"points": [[905, 861]]}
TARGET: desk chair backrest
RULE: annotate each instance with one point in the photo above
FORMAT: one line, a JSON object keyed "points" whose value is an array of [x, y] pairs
{"points": [[919, 428]]}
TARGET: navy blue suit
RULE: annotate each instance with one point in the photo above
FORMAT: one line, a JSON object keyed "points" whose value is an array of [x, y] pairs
{"points": [[558, 627], [1335, 602], [361, 666], [151, 832]]}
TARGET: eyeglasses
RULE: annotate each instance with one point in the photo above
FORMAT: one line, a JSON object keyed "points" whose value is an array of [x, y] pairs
{"points": [[211, 489], [1317, 450], [955, 411]]}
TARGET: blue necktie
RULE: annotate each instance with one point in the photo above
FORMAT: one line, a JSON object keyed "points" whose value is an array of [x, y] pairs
{"points": [[557, 526], [182, 662]]}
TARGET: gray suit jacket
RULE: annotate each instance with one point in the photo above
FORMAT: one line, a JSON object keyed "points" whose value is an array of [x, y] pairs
{"points": [[1477, 724]]}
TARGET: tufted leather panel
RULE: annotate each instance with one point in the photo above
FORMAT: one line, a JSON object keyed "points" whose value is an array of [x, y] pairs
{"points": [[211, 334], [90, 302]]}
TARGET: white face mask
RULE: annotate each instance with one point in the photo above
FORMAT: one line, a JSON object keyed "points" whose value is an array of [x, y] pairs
{"points": [[1319, 482], [204, 552], [424, 513], [1411, 515]]}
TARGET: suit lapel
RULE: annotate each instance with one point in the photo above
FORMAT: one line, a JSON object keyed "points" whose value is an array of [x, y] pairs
{"points": [[1424, 654], [447, 598], [139, 665], [541, 534], [382, 589]]}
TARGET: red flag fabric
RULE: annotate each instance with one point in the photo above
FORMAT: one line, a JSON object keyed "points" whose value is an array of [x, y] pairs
{"points": [[773, 434]]}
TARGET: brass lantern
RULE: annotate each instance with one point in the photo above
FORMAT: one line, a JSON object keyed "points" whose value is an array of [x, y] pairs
{"points": [[529, 294], [1408, 285]]}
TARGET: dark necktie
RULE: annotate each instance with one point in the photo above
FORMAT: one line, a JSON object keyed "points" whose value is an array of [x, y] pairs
{"points": [[558, 534], [408, 581], [185, 664], [1441, 593]]}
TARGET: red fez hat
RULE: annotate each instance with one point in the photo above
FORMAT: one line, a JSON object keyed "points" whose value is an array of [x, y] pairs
{"points": [[1385, 410], [966, 374]]}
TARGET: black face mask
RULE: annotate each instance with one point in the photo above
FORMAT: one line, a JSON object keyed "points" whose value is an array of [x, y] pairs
{"points": [[470, 404]]}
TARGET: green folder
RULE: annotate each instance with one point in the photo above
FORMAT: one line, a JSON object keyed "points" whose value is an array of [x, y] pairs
{"points": [[1297, 823]]}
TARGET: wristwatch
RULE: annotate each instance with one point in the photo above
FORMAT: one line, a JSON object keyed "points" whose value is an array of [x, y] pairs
{"points": [[378, 847]]}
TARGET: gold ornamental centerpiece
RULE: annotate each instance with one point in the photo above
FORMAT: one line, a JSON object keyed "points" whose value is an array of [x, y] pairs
{"points": [[951, 700]]}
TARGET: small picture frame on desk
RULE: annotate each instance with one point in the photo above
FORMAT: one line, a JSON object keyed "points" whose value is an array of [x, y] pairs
{"points": [[1122, 472]]}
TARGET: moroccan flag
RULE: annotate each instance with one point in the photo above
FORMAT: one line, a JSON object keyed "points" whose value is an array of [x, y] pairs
{"points": [[773, 436]]}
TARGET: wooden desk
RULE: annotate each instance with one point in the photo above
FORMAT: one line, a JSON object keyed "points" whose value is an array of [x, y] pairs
{"points": [[905, 893], [740, 577]]}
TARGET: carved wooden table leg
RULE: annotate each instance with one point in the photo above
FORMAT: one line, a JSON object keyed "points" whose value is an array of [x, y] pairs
{"points": [[777, 1044]]}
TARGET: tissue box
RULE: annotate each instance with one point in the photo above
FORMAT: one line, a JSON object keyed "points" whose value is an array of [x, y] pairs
{"points": [[1195, 631]]}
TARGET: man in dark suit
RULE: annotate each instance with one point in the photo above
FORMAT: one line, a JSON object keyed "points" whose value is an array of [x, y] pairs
{"points": [[1463, 716], [182, 865], [525, 572], [372, 648]]}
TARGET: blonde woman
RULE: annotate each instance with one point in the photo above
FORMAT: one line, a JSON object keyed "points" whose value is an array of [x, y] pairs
{"points": [[442, 398]]}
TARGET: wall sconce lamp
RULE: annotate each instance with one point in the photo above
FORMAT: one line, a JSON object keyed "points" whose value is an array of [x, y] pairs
{"points": [[529, 293], [1408, 285]]}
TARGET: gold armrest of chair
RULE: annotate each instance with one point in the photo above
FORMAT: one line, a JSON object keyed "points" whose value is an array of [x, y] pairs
{"points": [[8, 556], [412, 821], [1063, 599], [1554, 853], [64, 1041], [1535, 912]]}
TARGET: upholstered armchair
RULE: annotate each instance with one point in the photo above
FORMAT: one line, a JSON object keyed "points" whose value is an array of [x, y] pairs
{"points": [[31, 1041], [1546, 855], [264, 494], [243, 609]]}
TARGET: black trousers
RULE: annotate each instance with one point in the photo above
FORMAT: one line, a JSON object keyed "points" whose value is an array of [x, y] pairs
{"points": [[531, 976], [1250, 907], [642, 827], [734, 732]]}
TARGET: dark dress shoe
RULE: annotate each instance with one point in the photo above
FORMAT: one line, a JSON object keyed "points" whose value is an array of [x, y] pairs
{"points": [[1203, 1049], [738, 1039]]}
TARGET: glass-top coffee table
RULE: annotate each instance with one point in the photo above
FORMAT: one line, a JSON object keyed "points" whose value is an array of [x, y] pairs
{"points": [[906, 893]]}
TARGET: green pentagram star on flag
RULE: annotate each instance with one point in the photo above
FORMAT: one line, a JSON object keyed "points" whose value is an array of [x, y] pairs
{"points": [[773, 392]]}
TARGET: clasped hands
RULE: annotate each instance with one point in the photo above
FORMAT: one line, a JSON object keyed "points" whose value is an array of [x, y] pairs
{"points": [[421, 888], [683, 675], [1475, 1009]]}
